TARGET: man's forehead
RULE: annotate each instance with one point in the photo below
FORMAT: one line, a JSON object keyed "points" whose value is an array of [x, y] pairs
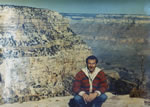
{"points": [[91, 60]]}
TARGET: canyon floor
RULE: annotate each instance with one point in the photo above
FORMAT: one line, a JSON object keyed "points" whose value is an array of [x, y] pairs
{"points": [[113, 101]]}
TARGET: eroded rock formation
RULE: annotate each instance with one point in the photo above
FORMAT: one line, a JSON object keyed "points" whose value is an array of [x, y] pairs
{"points": [[37, 50]]}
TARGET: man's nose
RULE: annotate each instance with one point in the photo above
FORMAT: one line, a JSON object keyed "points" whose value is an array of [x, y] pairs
{"points": [[91, 64]]}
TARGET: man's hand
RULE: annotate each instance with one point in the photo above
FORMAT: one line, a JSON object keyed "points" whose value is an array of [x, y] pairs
{"points": [[89, 98], [85, 97], [92, 96]]}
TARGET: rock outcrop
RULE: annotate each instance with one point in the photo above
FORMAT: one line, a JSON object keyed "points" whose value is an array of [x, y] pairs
{"points": [[118, 85], [37, 50]]}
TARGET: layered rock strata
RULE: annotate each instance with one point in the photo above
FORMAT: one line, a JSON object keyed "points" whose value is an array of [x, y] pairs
{"points": [[37, 52], [119, 40]]}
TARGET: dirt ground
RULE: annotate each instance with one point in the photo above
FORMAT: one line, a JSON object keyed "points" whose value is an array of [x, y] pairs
{"points": [[113, 101]]}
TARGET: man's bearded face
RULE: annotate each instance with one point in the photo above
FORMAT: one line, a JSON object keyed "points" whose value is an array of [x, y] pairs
{"points": [[91, 65]]}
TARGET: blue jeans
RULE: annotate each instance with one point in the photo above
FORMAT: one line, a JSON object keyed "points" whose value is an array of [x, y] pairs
{"points": [[97, 102]]}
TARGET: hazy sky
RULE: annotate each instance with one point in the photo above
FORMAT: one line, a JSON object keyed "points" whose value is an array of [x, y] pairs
{"points": [[88, 6]]}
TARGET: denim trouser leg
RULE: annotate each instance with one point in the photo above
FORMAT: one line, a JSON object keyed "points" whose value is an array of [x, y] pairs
{"points": [[79, 100], [98, 101]]}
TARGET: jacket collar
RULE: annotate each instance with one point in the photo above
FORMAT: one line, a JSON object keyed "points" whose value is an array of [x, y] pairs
{"points": [[96, 71]]}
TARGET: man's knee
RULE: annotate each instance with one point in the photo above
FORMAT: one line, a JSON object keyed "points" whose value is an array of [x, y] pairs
{"points": [[78, 99], [102, 97]]}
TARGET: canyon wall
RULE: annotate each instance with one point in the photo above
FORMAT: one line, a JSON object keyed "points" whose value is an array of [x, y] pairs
{"points": [[117, 40], [39, 54]]}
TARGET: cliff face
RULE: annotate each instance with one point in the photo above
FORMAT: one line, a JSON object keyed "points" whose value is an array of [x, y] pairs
{"points": [[38, 51]]}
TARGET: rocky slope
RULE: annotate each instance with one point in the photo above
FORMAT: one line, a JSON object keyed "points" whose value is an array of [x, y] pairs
{"points": [[37, 50]]}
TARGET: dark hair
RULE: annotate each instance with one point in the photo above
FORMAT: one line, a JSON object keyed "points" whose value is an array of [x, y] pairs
{"points": [[92, 57]]}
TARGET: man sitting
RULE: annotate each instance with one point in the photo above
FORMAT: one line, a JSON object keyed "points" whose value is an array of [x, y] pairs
{"points": [[90, 85]]}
